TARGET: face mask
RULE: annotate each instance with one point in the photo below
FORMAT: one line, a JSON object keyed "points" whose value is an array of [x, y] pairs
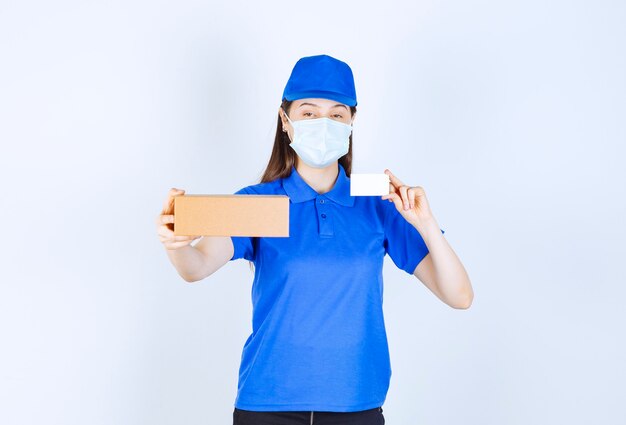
{"points": [[318, 142]]}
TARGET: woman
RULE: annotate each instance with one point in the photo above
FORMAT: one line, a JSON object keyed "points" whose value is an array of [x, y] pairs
{"points": [[318, 352]]}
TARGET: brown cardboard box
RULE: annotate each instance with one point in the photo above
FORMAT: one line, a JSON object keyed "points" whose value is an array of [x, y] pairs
{"points": [[231, 215]]}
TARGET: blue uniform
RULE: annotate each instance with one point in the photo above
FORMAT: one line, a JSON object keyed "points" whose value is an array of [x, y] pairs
{"points": [[318, 339]]}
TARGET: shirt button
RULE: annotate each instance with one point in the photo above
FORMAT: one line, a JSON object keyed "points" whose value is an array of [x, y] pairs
{"points": [[323, 215], [321, 201]]}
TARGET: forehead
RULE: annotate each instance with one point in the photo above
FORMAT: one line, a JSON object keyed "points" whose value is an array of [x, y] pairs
{"points": [[318, 103]]}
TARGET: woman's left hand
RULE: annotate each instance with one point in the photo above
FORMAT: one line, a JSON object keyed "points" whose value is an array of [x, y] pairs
{"points": [[410, 201]]}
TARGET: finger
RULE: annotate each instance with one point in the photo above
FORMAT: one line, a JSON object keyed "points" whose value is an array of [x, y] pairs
{"points": [[184, 238], [405, 197], [165, 231], [168, 206], [393, 179], [389, 197], [420, 195], [419, 191], [411, 195], [168, 202], [392, 191], [180, 240], [176, 245], [165, 218]]}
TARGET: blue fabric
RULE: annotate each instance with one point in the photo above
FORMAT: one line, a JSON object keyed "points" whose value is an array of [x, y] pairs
{"points": [[318, 339], [321, 76]]}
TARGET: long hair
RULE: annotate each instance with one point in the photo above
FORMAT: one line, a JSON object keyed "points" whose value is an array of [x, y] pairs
{"points": [[284, 157]]}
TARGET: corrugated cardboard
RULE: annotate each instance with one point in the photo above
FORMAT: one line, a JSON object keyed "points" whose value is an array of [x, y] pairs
{"points": [[231, 215]]}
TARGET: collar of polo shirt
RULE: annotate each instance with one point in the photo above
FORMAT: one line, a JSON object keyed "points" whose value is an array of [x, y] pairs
{"points": [[299, 191]]}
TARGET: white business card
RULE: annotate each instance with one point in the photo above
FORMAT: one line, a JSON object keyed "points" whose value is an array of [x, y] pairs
{"points": [[369, 184]]}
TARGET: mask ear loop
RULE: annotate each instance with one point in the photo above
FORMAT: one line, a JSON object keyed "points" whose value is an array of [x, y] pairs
{"points": [[284, 129], [286, 116]]}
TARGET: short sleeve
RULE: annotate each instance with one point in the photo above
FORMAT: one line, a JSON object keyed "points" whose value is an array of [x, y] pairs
{"points": [[244, 246], [403, 242]]}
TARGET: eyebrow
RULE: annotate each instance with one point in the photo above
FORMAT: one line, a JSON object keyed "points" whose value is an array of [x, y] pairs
{"points": [[313, 104]]}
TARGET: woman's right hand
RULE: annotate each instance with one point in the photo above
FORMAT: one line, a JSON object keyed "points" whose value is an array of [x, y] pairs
{"points": [[165, 224]]}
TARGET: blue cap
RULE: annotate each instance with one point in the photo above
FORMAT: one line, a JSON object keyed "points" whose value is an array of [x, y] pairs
{"points": [[321, 76]]}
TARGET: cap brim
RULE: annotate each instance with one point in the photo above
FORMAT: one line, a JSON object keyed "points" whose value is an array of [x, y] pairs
{"points": [[347, 100]]}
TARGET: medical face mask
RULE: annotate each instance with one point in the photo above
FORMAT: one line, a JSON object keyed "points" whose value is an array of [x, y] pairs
{"points": [[320, 141]]}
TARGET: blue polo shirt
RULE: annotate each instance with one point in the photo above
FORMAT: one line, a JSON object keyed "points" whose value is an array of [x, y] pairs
{"points": [[318, 337]]}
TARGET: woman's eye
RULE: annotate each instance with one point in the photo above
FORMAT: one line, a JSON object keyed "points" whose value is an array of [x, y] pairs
{"points": [[310, 114]]}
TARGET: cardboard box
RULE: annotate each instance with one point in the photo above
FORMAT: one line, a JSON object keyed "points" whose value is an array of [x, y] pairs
{"points": [[231, 215]]}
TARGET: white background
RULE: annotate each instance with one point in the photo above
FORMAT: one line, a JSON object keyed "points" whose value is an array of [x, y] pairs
{"points": [[509, 113]]}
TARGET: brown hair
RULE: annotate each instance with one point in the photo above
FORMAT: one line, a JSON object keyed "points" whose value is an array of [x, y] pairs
{"points": [[284, 157]]}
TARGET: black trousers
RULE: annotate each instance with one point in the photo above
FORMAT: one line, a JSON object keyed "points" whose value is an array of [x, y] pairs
{"points": [[362, 417]]}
